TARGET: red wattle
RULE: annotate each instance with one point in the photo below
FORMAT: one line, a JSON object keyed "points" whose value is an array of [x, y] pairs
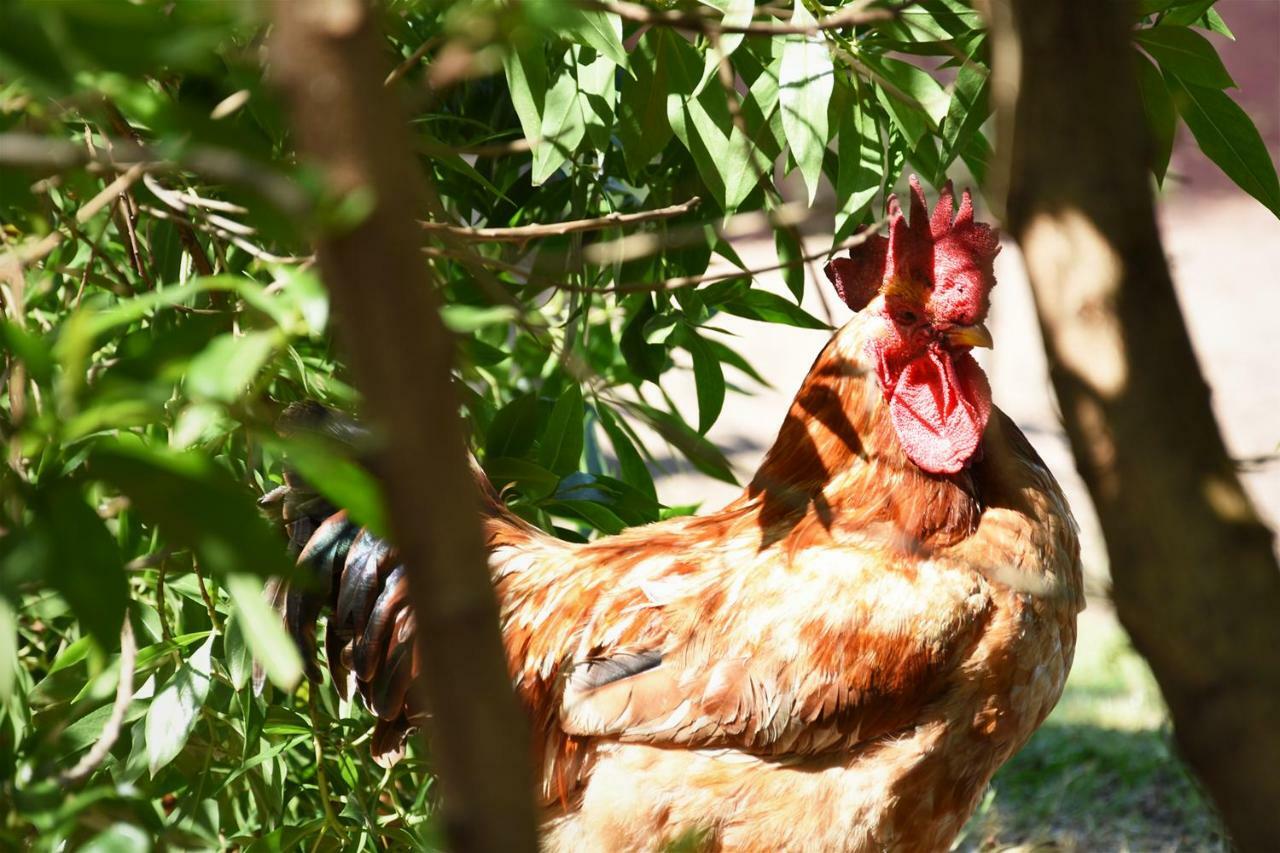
{"points": [[940, 407]]}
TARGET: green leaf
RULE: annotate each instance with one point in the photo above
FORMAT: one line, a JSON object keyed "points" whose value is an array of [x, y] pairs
{"points": [[271, 646], [861, 164], [733, 359], [704, 455], [1188, 13], [969, 108], [790, 253], [772, 308], [561, 447], [235, 646], [514, 428], [660, 327], [644, 359], [1186, 53], [597, 97], [224, 369], [562, 126], [630, 463], [526, 72], [708, 379], [174, 711], [533, 481], [119, 838], [600, 517], [1228, 137], [465, 319], [601, 31], [327, 468], [29, 347], [1162, 120], [915, 101], [9, 663], [734, 13], [729, 163], [807, 78], [643, 130], [82, 561], [1214, 23], [195, 503]]}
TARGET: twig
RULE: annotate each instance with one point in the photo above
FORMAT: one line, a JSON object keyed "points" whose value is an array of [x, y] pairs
{"points": [[856, 13], [204, 593], [521, 233], [234, 239], [111, 731], [32, 151], [30, 252], [322, 779], [707, 278], [413, 59], [162, 606]]}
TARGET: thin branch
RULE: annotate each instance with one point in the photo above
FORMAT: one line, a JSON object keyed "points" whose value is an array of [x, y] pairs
{"points": [[33, 251], [861, 12], [33, 151], [708, 278], [93, 759], [523, 233], [413, 59]]}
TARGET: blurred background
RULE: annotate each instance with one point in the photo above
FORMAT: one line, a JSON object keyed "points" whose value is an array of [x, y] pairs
{"points": [[1117, 786]]}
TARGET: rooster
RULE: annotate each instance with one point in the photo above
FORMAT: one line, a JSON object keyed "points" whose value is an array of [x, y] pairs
{"points": [[839, 659]]}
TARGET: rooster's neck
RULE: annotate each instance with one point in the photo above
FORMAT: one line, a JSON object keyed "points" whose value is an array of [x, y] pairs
{"points": [[839, 458]]}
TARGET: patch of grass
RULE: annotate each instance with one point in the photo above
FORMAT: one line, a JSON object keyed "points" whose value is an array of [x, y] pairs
{"points": [[1101, 774]]}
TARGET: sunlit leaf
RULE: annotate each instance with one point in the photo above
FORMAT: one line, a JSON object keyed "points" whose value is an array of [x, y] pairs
{"points": [[804, 90], [176, 708]]}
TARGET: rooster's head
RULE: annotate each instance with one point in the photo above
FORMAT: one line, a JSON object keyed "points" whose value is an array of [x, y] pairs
{"points": [[925, 290]]}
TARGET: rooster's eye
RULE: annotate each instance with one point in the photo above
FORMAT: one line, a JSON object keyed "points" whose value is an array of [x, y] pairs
{"points": [[907, 318]]}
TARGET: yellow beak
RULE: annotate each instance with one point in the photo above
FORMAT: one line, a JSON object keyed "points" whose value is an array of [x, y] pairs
{"points": [[970, 336]]}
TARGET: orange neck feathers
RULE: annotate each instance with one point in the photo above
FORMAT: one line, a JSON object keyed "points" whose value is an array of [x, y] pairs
{"points": [[838, 459]]}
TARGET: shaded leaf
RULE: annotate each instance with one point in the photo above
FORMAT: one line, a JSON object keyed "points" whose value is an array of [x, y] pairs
{"points": [[708, 379], [561, 444], [263, 631], [1162, 120], [1186, 53], [1229, 138], [772, 308], [196, 504]]}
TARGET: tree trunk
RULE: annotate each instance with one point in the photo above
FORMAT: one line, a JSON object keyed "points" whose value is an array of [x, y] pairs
{"points": [[330, 61], [1195, 580]]}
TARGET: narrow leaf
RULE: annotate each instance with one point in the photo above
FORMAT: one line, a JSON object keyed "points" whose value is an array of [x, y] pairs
{"points": [[174, 711], [1229, 138], [264, 631], [807, 78], [561, 447], [1162, 120], [196, 504], [1186, 53], [708, 379]]}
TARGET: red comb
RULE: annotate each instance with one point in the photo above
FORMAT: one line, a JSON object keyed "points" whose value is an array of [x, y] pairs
{"points": [[918, 248]]}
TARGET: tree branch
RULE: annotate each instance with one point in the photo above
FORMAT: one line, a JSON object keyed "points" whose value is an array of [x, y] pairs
{"points": [[861, 12], [93, 759], [524, 233], [1195, 580], [329, 60]]}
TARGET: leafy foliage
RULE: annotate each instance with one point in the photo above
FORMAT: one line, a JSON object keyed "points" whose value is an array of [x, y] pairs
{"points": [[158, 316]]}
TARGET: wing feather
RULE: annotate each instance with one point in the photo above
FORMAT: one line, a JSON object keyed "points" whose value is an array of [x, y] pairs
{"points": [[810, 665]]}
